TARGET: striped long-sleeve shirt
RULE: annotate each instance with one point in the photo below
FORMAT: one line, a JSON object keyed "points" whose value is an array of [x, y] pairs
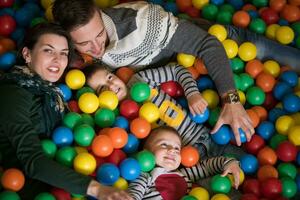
{"points": [[145, 186], [171, 112]]}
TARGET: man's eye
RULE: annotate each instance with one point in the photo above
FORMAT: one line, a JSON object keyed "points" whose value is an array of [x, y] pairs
{"points": [[83, 43]]}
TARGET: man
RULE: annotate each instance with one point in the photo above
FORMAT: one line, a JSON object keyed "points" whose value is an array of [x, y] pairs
{"points": [[139, 34]]}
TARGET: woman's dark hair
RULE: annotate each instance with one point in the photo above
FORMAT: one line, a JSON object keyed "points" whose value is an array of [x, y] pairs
{"points": [[33, 35], [71, 14]]}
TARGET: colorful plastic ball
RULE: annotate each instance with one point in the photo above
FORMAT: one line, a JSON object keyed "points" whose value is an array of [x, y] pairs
{"points": [[44, 196], [204, 82], [66, 155], [121, 184], [121, 122], [83, 134], [290, 77], [7, 60], [171, 7], [108, 99], [62, 136], [281, 89], [116, 157], [286, 151], [185, 60], [129, 109], [149, 111], [88, 102], [188, 197], [255, 144], [169, 87], [102, 146], [222, 136], [49, 147], [291, 103], [241, 178], [249, 164], [8, 25], [255, 96], [249, 196], [254, 67], [198, 4], [209, 12], [253, 14], [231, 48], [275, 113], [241, 19], [224, 17], [285, 35], [242, 136], [246, 81], [220, 184], [130, 169], [70, 119], [118, 137], [199, 193], [12, 179], [267, 156], [227, 7], [60, 194], [146, 160], [257, 25], [294, 136], [265, 81], [254, 117], [104, 117], [247, 51], [84, 90], [218, 31], [270, 16], [132, 144], [189, 156], [271, 188], [75, 79], [251, 185], [214, 115], [267, 171], [276, 140], [66, 91], [108, 174], [271, 31], [287, 170], [5, 195], [220, 197], [289, 187], [140, 92], [265, 129], [290, 12], [140, 127], [211, 97], [84, 163], [200, 118], [237, 65], [272, 67]]}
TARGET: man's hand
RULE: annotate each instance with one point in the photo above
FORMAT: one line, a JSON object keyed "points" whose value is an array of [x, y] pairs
{"points": [[236, 116], [197, 104]]}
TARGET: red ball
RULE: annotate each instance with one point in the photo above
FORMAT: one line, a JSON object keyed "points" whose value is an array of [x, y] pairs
{"points": [[270, 101], [270, 16], [286, 151], [192, 12], [73, 106], [116, 157], [7, 25], [249, 196], [271, 188], [6, 3], [251, 186], [169, 87], [60, 194], [183, 5], [129, 109], [255, 144], [179, 91]]}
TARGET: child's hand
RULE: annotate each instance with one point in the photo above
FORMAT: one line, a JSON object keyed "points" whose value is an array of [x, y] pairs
{"points": [[234, 169], [111, 193], [197, 104]]}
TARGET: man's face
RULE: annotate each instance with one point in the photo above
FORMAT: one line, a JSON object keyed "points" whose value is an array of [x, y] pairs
{"points": [[91, 38]]}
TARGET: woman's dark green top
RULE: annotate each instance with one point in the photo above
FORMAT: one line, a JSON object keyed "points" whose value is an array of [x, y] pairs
{"points": [[29, 108]]}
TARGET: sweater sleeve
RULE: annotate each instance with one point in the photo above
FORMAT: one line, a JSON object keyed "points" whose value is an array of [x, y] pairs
{"points": [[138, 187], [172, 72], [191, 39], [17, 107], [206, 168]]}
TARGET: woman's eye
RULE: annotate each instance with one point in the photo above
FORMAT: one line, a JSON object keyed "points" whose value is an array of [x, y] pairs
{"points": [[64, 54], [48, 50]]}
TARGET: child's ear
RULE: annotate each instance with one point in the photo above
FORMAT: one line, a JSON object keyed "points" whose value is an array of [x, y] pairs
{"points": [[26, 55]]}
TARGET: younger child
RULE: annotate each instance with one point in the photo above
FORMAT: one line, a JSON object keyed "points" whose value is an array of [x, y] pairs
{"points": [[168, 182]]}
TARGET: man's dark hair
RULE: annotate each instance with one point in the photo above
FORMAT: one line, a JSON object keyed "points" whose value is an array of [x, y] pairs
{"points": [[71, 14]]}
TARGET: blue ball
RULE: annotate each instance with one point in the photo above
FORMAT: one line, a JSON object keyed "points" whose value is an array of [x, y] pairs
{"points": [[7, 11], [275, 113], [237, 4], [130, 169], [18, 35], [183, 102], [108, 174], [222, 136], [171, 7], [32, 8], [66, 91], [23, 17], [283, 22], [62, 136], [158, 2], [266, 130], [7, 60], [249, 164], [121, 122], [243, 137], [204, 82], [291, 103], [281, 89], [132, 144], [298, 158], [217, 2], [200, 118], [290, 77], [298, 182], [253, 14]]}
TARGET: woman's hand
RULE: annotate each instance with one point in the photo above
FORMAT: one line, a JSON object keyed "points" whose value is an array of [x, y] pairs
{"points": [[197, 104], [234, 169]]}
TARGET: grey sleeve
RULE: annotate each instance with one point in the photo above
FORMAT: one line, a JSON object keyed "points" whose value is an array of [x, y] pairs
{"points": [[191, 39]]}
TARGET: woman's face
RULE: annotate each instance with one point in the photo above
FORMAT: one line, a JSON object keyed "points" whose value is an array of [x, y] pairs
{"points": [[49, 56]]}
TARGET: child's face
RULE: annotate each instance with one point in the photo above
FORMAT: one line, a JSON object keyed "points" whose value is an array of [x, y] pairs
{"points": [[104, 80], [166, 148]]}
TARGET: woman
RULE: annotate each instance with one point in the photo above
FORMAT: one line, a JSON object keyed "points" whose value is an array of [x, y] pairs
{"points": [[30, 107]]}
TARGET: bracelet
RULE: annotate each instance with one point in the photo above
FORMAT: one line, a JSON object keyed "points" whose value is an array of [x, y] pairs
{"points": [[231, 97]]}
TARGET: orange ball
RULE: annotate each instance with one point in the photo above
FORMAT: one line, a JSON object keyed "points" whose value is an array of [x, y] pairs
{"points": [[200, 67], [265, 81], [267, 171], [189, 156], [140, 127], [254, 67], [13, 179], [118, 136], [103, 131], [194, 72], [124, 73], [290, 12], [294, 2], [277, 5], [183, 5], [261, 112], [7, 44], [241, 19], [248, 7], [254, 117], [102, 146], [267, 156]]}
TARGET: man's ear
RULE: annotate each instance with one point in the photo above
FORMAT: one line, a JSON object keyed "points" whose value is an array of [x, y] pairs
{"points": [[26, 55]]}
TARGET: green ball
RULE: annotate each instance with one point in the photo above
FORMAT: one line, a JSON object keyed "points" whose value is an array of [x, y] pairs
{"points": [[140, 92], [276, 140], [227, 7], [49, 148], [220, 184], [296, 28], [255, 96], [86, 119], [224, 17], [104, 117], [237, 65], [214, 116], [44, 196], [146, 160], [37, 20], [260, 3], [289, 187], [116, 112], [9, 195], [209, 12], [84, 135], [70, 119], [246, 81], [237, 81], [188, 197], [184, 16], [83, 90], [297, 42], [287, 170], [65, 156], [258, 25]]}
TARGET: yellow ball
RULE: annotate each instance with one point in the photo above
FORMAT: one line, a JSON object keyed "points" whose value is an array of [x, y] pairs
{"points": [[242, 178], [49, 15], [211, 97], [121, 184], [271, 31], [88, 103], [149, 111], [108, 99], [199, 193], [185, 60], [247, 51], [285, 35], [230, 47], [283, 124], [272, 67], [84, 163], [114, 2], [294, 135], [103, 3], [199, 3], [80, 150], [46, 3], [75, 79], [218, 31], [220, 197], [242, 97], [296, 118]]}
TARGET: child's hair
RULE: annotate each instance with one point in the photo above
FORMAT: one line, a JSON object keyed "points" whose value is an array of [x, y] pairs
{"points": [[156, 131], [91, 69]]}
